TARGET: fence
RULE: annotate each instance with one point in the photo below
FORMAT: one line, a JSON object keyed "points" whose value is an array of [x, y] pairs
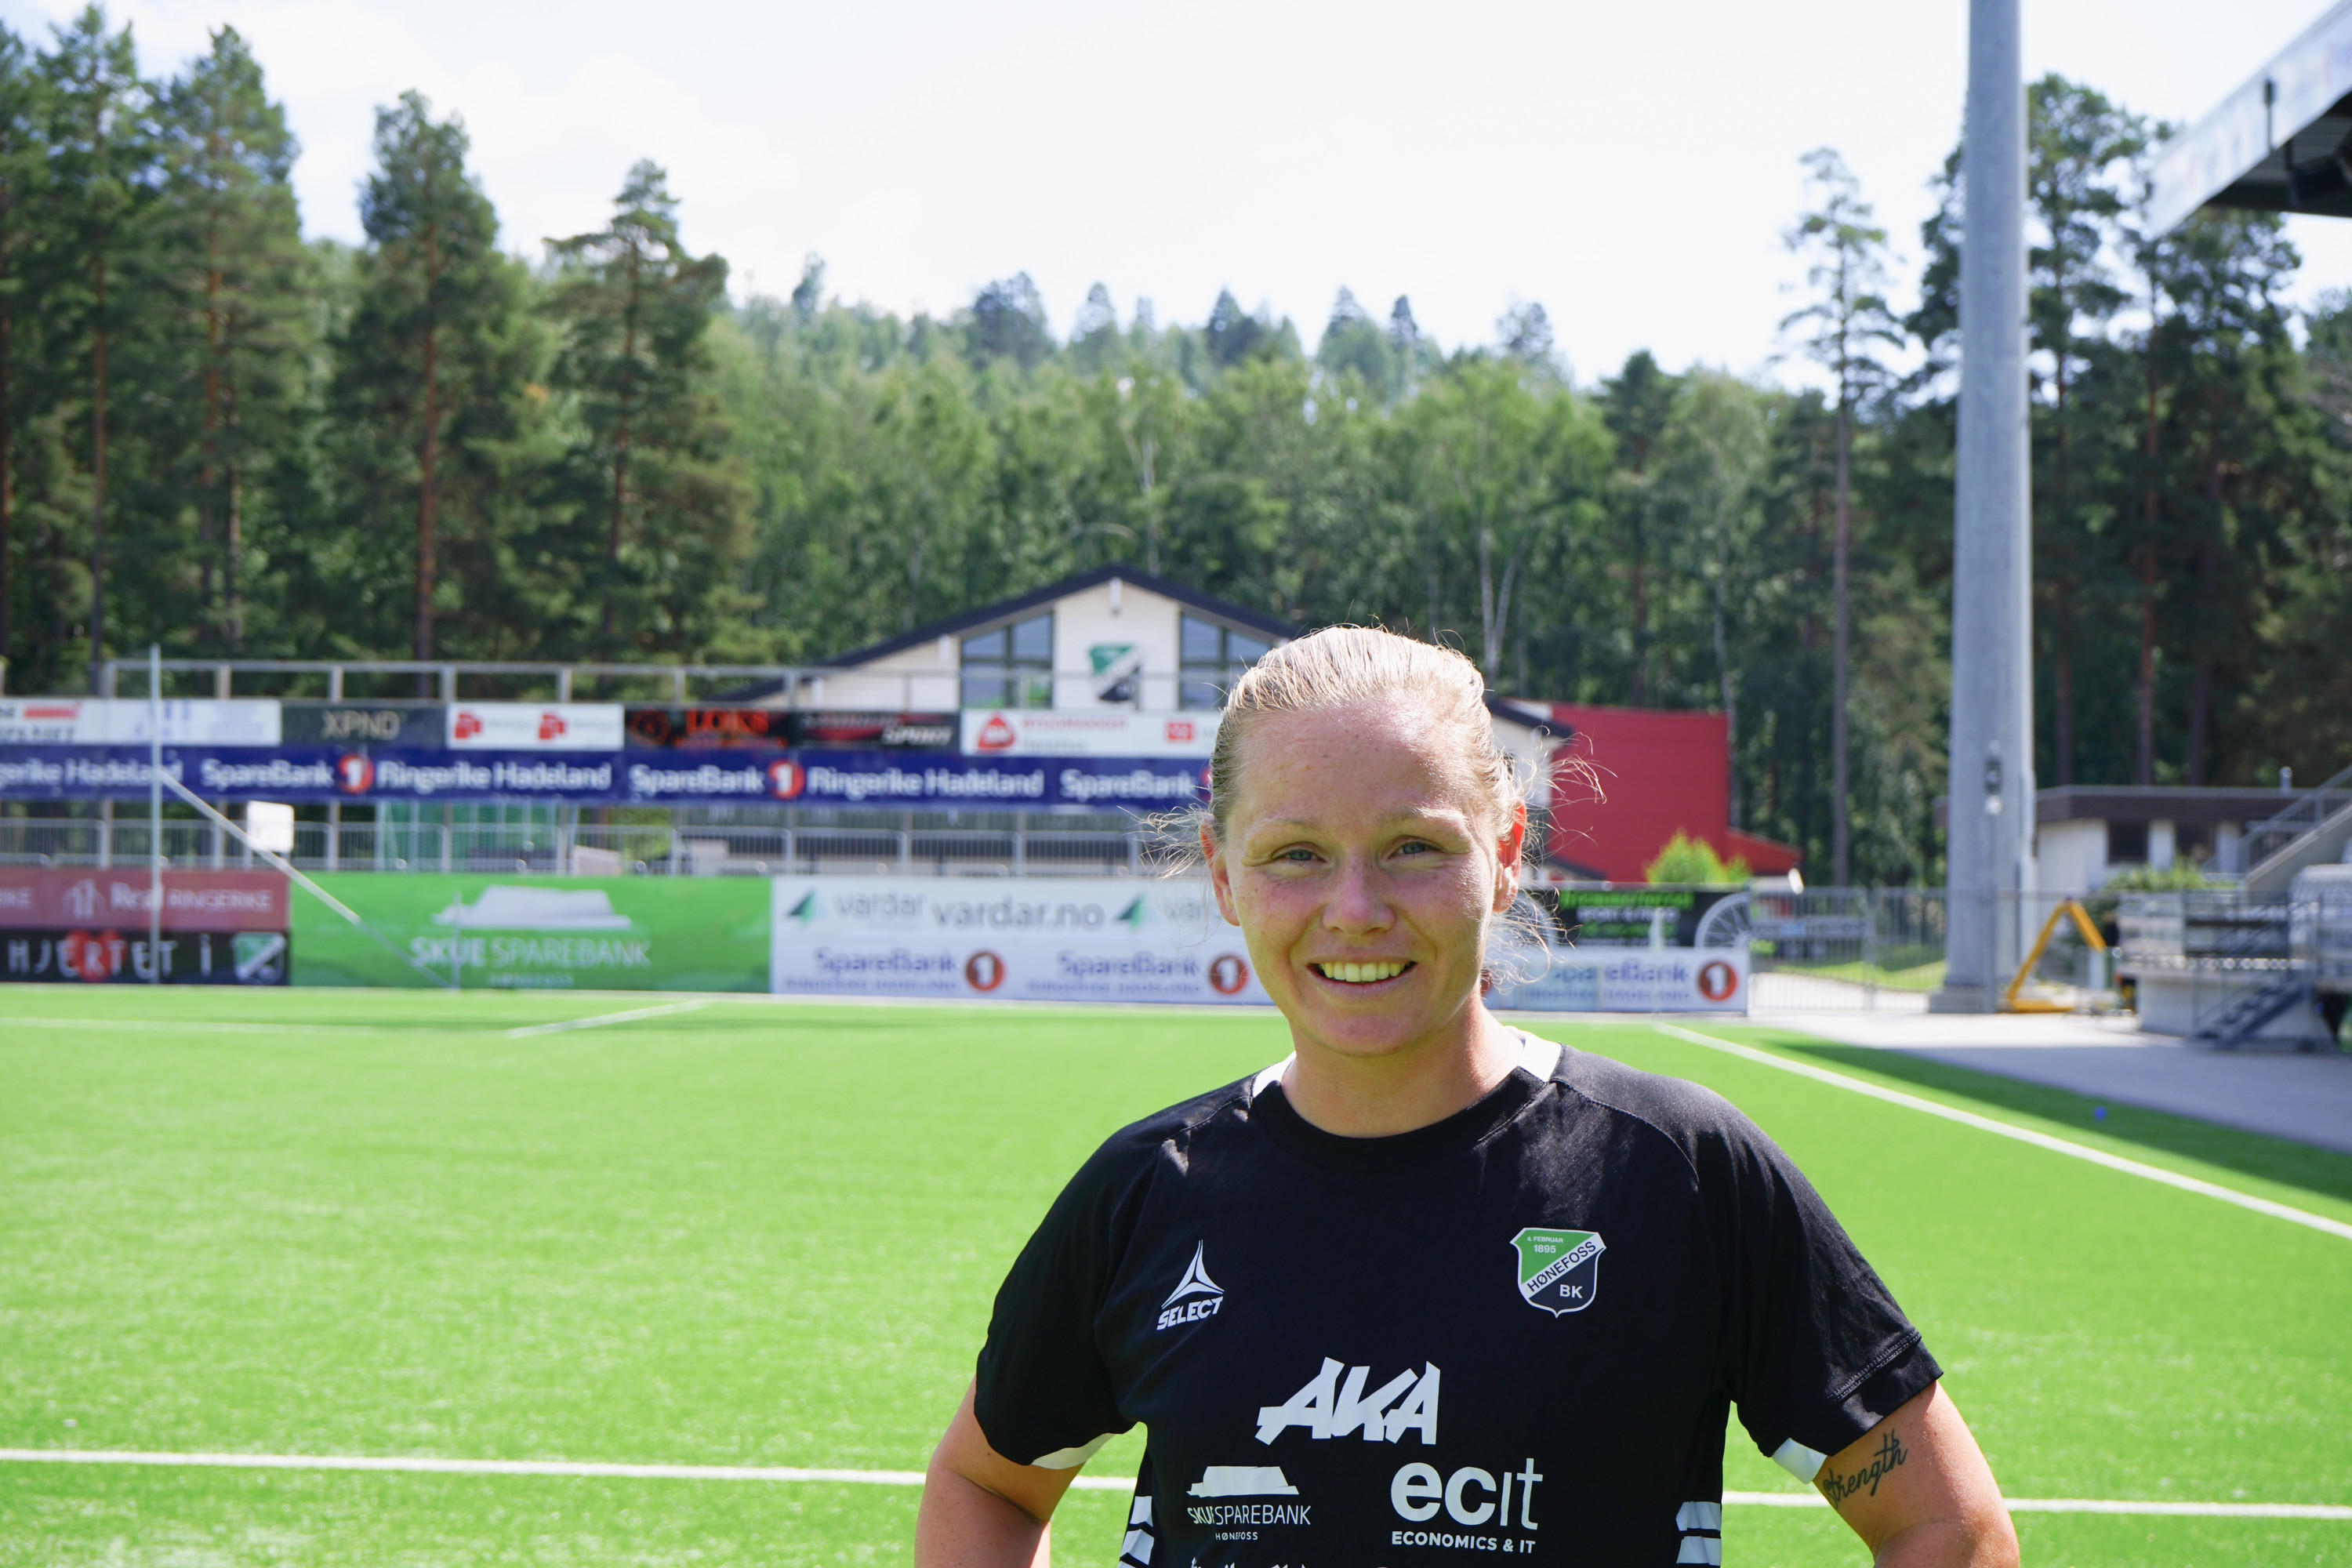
{"points": [[905, 843]]}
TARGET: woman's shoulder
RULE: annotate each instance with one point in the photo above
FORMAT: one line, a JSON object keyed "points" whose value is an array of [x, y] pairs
{"points": [[1172, 1130], [1692, 1117]]}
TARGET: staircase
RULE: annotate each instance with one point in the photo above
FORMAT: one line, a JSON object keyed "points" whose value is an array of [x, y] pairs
{"points": [[2245, 1014], [2312, 831]]}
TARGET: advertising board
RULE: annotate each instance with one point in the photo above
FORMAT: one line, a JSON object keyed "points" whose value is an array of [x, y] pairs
{"points": [[668, 727], [510, 932], [642, 775], [397, 726], [120, 721], [219, 928], [1030, 939], [1087, 732], [1633, 980], [534, 726]]}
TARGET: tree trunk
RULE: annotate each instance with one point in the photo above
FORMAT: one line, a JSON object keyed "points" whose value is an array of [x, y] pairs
{"points": [[208, 464], [621, 448], [98, 479], [2200, 708], [429, 457], [2144, 760], [1840, 831], [1730, 709], [2061, 670], [8, 483], [1641, 626], [232, 547]]}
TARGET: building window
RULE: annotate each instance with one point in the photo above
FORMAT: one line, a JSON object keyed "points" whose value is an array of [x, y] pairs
{"points": [[1012, 665], [1213, 658], [2126, 843], [2192, 841]]}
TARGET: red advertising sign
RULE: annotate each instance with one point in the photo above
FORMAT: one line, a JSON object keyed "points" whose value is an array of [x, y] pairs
{"points": [[76, 897]]}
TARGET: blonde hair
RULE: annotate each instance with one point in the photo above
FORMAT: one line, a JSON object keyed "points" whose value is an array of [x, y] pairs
{"points": [[1365, 666]]}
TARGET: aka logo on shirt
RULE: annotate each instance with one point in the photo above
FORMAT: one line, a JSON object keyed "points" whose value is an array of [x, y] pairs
{"points": [[1196, 1295], [1327, 1407]]}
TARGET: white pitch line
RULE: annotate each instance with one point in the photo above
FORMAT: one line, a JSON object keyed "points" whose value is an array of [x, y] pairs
{"points": [[601, 1019], [591, 1470], [2335, 1227], [218, 1026]]}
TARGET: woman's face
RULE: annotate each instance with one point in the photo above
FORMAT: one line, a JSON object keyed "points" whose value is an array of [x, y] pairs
{"points": [[1362, 865]]}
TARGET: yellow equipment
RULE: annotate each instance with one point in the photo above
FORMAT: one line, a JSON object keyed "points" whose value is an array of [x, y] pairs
{"points": [[2013, 1000]]}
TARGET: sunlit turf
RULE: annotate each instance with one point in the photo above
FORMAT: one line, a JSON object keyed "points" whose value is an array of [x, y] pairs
{"points": [[765, 1234]]}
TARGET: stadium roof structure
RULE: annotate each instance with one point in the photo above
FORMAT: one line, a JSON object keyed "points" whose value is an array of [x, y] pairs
{"points": [[2282, 142], [1275, 628]]}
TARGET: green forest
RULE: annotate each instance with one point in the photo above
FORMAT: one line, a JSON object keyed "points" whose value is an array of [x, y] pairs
{"points": [[451, 441]]}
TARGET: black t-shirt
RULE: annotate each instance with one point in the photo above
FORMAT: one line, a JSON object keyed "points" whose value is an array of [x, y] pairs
{"points": [[1519, 1330]]}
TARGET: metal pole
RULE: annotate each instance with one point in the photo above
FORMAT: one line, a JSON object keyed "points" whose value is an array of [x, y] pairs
{"points": [[154, 814], [1988, 852]]}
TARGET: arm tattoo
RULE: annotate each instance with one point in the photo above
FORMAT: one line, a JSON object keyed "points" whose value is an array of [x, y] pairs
{"points": [[1891, 1453]]}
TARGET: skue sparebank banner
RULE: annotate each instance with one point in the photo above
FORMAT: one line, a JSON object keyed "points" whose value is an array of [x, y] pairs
{"points": [[1030, 939], [1633, 980], [537, 934]]}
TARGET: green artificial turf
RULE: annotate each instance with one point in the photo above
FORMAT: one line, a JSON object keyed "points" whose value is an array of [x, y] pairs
{"points": [[761, 1234]]}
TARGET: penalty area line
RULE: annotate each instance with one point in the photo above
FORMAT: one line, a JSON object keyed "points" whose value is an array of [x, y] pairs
{"points": [[2067, 1147], [592, 1469], [602, 1019]]}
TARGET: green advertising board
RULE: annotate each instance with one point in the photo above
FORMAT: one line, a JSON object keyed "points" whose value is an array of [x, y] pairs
{"points": [[587, 934]]}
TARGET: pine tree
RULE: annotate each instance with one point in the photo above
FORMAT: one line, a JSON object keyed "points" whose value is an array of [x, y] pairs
{"points": [[428, 350], [238, 241], [103, 157], [1846, 324], [24, 145], [636, 310]]}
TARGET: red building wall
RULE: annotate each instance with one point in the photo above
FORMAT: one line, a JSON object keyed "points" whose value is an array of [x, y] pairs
{"points": [[1658, 774]]}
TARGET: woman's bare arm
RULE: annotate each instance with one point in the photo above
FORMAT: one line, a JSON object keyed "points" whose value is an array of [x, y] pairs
{"points": [[980, 1509], [1919, 1492]]}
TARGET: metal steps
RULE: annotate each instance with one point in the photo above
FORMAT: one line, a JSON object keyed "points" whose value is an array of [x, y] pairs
{"points": [[2245, 1014]]}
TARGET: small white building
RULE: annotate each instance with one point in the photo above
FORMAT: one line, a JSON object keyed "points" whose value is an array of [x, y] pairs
{"points": [[2086, 833]]}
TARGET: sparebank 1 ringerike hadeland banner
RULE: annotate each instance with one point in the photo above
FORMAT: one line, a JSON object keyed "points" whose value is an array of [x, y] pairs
{"points": [[1028, 939], [646, 778], [1630, 980]]}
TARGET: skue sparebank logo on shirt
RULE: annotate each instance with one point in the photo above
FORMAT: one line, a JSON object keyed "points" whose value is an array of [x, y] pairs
{"points": [[1330, 1406], [1196, 1295], [1559, 1271]]}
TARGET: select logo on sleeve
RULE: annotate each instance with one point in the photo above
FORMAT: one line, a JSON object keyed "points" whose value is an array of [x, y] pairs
{"points": [[1559, 1271], [1196, 1295]]}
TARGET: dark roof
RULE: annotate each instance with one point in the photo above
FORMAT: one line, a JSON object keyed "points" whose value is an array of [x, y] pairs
{"points": [[1011, 609], [2160, 803], [2205, 803]]}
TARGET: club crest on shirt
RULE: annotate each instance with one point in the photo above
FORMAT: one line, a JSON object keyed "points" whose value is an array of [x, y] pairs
{"points": [[1559, 1271]]}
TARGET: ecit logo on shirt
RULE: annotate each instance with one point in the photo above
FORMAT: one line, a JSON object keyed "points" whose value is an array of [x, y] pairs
{"points": [[1196, 1295], [1327, 1407]]}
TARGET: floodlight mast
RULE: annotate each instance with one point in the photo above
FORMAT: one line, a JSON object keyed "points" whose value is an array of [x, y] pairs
{"points": [[1989, 853]]}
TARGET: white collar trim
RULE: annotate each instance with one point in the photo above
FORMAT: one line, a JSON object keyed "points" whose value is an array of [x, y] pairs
{"points": [[1540, 1058]]}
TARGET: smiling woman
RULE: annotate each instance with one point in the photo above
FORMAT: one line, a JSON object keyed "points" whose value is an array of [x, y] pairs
{"points": [[1397, 1237]]}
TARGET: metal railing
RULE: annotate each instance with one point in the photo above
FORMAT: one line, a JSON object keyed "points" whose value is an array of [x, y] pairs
{"points": [[941, 688], [564, 848], [2267, 837]]}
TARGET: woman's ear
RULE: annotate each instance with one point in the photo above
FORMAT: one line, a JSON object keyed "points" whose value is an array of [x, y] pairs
{"points": [[1510, 850], [1221, 881]]}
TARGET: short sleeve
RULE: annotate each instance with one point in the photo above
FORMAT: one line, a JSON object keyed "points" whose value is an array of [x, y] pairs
{"points": [[1817, 1352], [1043, 1394]]}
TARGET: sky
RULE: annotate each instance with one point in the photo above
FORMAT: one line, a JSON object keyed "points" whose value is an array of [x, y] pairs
{"points": [[1630, 168]]}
